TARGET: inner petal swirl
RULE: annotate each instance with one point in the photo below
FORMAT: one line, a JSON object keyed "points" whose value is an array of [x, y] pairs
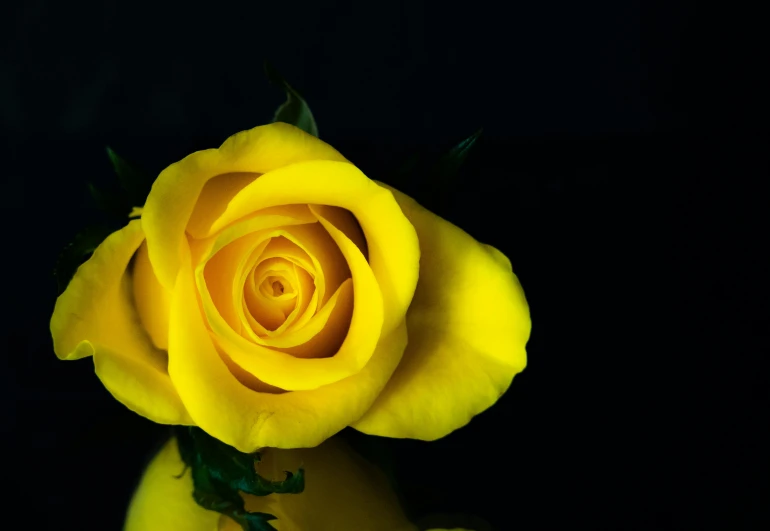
{"points": [[273, 293]]}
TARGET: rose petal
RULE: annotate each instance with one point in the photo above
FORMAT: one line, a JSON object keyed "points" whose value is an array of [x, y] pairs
{"points": [[259, 220], [296, 332], [346, 222], [248, 420], [342, 492], [259, 301], [325, 333], [164, 502], [96, 316], [151, 299], [296, 224], [468, 326], [213, 199], [392, 243], [176, 191], [217, 274], [281, 369]]}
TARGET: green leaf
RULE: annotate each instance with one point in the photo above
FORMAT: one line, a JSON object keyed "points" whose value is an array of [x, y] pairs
{"points": [[217, 496], [135, 182], [134, 185], [220, 473], [449, 165], [257, 522], [77, 252], [111, 203], [237, 469], [294, 110]]}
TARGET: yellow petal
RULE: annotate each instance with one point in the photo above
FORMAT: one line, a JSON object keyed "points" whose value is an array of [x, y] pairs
{"points": [[298, 237], [281, 369], [176, 191], [468, 327], [217, 275], [344, 221], [164, 503], [325, 333], [392, 243], [151, 299], [343, 491], [96, 316], [306, 305], [141, 384], [247, 419], [259, 220], [214, 196], [283, 248], [276, 312]]}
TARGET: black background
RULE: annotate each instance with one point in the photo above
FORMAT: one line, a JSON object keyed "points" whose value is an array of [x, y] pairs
{"points": [[623, 169]]}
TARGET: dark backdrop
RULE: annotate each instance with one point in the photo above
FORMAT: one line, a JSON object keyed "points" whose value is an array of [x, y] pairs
{"points": [[623, 169]]}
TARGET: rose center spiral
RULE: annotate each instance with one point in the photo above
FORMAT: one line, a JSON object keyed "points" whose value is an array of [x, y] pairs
{"points": [[277, 288]]}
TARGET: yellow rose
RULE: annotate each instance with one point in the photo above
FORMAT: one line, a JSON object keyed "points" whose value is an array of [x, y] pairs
{"points": [[342, 492], [267, 294]]}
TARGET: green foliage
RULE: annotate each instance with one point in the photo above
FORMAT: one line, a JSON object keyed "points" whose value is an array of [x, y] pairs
{"points": [[220, 473], [431, 177], [110, 202], [438, 171], [134, 185], [449, 165], [135, 182], [294, 110]]}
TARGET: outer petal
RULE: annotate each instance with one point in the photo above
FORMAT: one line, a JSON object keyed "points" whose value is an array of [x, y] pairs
{"points": [[176, 190], [164, 503], [342, 492], [96, 316], [468, 326], [248, 419]]}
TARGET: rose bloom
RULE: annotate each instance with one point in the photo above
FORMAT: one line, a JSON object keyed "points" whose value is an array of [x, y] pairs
{"points": [[342, 492], [272, 294]]}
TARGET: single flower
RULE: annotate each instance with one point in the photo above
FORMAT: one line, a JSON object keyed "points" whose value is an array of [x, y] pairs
{"points": [[342, 492], [271, 294]]}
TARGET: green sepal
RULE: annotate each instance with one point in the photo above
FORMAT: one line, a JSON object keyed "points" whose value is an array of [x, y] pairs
{"points": [[110, 202], [294, 110], [218, 496], [220, 473], [256, 521], [134, 181], [436, 172], [132, 188], [449, 165], [77, 252]]}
